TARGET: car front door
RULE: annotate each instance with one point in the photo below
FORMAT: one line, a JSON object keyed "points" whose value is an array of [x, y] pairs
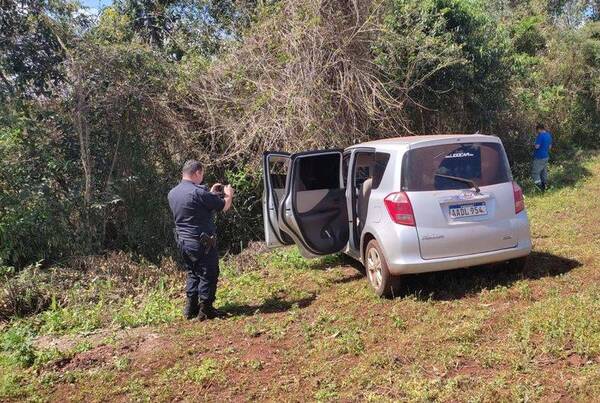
{"points": [[314, 209]]}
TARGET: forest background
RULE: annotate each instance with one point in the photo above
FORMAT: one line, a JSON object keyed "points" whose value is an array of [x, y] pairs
{"points": [[98, 111]]}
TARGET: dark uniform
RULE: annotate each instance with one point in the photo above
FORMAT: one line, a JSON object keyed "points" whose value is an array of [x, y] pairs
{"points": [[193, 208]]}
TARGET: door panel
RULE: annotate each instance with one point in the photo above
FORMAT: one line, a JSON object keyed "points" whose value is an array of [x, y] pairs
{"points": [[310, 199], [314, 211], [275, 172]]}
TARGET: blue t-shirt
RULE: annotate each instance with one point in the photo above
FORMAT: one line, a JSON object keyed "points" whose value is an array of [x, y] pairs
{"points": [[544, 140]]}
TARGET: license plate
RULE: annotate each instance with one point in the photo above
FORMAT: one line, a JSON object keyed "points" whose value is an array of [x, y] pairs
{"points": [[467, 210]]}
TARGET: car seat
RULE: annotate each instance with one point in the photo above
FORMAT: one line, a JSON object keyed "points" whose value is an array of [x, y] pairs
{"points": [[362, 205]]}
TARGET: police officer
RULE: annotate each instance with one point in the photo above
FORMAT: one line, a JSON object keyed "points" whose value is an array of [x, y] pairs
{"points": [[193, 207]]}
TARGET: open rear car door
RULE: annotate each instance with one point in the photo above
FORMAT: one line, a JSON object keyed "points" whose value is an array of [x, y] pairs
{"points": [[314, 211], [275, 172]]}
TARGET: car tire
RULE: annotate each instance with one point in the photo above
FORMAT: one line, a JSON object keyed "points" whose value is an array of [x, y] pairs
{"points": [[376, 269]]}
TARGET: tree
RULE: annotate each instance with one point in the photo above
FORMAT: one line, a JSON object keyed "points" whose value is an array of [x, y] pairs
{"points": [[31, 53]]}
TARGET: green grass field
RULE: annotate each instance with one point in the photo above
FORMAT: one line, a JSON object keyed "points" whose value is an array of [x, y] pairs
{"points": [[313, 330]]}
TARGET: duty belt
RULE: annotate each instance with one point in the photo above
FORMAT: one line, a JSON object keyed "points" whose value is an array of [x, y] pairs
{"points": [[208, 242]]}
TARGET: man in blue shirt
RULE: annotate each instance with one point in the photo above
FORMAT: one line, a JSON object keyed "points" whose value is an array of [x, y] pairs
{"points": [[539, 169], [193, 207]]}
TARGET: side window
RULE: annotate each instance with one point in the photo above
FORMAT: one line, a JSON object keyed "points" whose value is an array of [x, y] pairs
{"points": [[278, 170], [363, 167], [370, 165], [318, 172], [381, 161]]}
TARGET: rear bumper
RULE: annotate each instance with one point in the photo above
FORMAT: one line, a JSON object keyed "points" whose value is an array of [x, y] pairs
{"points": [[458, 262], [400, 245]]}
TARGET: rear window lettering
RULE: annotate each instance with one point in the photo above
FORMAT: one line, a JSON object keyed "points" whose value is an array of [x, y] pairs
{"points": [[484, 163]]}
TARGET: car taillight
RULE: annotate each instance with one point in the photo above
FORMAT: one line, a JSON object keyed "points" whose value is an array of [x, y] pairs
{"points": [[399, 207], [519, 199]]}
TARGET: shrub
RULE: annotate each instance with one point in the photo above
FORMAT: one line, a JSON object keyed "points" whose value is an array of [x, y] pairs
{"points": [[24, 294], [17, 343]]}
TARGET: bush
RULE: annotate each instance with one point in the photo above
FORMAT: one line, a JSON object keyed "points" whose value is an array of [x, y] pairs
{"points": [[243, 223], [17, 343], [34, 203], [26, 293]]}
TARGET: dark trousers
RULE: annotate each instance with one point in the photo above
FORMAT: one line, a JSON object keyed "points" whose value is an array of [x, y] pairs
{"points": [[202, 271]]}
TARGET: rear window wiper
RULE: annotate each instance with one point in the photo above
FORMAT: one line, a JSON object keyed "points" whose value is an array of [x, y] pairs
{"points": [[469, 182]]}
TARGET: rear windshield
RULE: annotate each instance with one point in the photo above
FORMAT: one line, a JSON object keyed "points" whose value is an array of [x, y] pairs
{"points": [[483, 163]]}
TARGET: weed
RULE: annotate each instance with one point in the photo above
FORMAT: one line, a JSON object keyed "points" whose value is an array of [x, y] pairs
{"points": [[208, 370], [23, 294], [17, 344], [122, 363], [399, 323], [558, 325], [253, 330], [256, 365], [72, 318], [524, 290], [48, 355], [327, 391], [11, 385], [137, 390]]}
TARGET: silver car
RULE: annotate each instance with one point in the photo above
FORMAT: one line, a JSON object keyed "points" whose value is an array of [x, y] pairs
{"points": [[399, 205]]}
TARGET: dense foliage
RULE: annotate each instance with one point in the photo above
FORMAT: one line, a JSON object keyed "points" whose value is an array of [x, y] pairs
{"points": [[98, 112]]}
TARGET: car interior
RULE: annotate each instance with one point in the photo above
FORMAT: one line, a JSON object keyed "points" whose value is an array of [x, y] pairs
{"points": [[367, 175], [319, 199], [363, 183]]}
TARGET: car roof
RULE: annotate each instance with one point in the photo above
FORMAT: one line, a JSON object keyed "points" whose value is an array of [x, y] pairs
{"points": [[407, 141]]}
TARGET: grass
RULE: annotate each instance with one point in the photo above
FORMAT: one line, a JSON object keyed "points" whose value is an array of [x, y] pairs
{"points": [[313, 330]]}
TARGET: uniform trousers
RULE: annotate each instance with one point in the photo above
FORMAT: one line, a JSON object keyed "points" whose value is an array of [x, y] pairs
{"points": [[202, 270]]}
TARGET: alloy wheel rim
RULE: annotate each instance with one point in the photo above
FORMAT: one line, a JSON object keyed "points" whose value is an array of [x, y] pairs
{"points": [[374, 267]]}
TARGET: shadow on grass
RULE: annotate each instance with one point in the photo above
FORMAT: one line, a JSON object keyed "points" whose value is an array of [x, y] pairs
{"points": [[456, 284], [271, 305]]}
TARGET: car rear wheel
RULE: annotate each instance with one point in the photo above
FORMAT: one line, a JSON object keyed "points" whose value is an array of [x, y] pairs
{"points": [[377, 270]]}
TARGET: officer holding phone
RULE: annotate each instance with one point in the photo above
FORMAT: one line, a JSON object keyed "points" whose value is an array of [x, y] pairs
{"points": [[194, 207]]}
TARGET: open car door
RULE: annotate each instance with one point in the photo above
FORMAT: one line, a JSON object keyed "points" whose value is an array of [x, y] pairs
{"points": [[275, 171], [314, 209]]}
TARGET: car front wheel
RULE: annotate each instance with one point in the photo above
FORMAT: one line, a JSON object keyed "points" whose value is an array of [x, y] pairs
{"points": [[377, 270]]}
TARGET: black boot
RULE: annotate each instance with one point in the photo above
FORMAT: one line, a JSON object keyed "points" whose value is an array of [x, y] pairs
{"points": [[202, 312], [207, 309], [191, 307]]}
